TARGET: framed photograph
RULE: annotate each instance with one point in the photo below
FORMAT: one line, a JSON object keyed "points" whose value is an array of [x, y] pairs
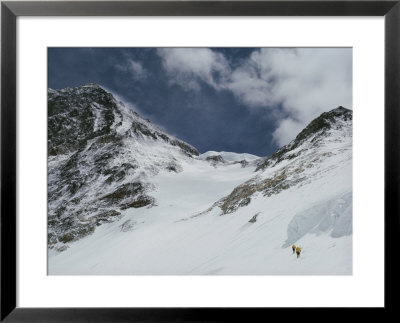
{"points": [[196, 160]]}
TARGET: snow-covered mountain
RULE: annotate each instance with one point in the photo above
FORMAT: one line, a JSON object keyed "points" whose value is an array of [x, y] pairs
{"points": [[101, 156], [326, 138], [179, 213]]}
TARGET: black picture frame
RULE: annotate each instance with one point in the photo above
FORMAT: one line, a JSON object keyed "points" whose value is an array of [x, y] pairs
{"points": [[10, 10]]}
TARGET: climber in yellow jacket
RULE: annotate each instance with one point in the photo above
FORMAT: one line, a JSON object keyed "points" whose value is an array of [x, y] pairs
{"points": [[294, 248], [298, 250]]}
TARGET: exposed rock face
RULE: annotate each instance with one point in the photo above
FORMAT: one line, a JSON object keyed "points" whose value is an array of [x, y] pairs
{"points": [[243, 163], [100, 157], [254, 218], [215, 160], [329, 135]]}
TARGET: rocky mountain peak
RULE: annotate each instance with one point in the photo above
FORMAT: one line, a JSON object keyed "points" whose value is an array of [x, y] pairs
{"points": [[325, 121], [314, 132]]}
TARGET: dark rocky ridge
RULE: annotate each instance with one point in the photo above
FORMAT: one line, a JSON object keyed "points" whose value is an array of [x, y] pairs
{"points": [[316, 128]]}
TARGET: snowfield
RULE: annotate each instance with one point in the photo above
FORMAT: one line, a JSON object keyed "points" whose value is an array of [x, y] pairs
{"points": [[173, 239]]}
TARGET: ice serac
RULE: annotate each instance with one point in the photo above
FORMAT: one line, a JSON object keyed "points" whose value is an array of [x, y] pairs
{"points": [[101, 155], [325, 144], [333, 216]]}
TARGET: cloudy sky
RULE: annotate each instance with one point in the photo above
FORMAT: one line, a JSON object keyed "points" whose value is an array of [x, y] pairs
{"points": [[250, 100]]}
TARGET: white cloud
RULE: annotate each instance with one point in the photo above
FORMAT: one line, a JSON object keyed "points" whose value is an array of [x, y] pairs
{"points": [[136, 69], [303, 82], [287, 130], [187, 66]]}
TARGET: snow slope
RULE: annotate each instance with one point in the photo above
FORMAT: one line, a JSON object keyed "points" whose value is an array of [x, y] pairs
{"points": [[200, 223], [171, 240]]}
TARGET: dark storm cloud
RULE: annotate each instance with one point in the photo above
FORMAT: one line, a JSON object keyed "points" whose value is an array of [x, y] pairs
{"points": [[232, 99]]}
